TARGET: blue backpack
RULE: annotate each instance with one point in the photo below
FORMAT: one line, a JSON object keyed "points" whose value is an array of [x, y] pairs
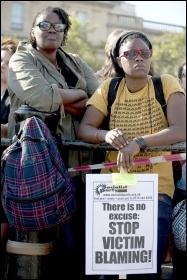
{"points": [[37, 191], [178, 225]]}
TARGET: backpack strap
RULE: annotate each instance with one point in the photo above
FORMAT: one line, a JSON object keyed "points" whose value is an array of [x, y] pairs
{"points": [[157, 82], [159, 93], [176, 165], [113, 87], [112, 90], [157, 87]]}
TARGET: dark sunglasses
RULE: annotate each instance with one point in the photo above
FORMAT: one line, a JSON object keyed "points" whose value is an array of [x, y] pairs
{"points": [[132, 54], [45, 25]]}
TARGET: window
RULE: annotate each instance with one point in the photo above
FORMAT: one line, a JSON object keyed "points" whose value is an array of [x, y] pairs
{"points": [[17, 13], [82, 17]]}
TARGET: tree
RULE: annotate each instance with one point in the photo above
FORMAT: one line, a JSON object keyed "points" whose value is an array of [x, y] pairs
{"points": [[78, 43], [169, 51], [4, 38]]}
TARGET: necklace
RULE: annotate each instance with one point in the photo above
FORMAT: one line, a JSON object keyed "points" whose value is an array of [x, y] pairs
{"points": [[56, 65], [58, 68], [149, 109]]}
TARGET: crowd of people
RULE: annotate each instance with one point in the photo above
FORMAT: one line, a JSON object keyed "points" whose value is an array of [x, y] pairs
{"points": [[42, 75]]}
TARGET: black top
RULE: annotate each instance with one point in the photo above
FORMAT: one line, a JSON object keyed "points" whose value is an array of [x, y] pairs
{"points": [[5, 107], [69, 76]]}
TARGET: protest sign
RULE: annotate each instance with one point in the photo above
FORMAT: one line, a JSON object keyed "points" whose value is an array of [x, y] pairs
{"points": [[121, 223]]}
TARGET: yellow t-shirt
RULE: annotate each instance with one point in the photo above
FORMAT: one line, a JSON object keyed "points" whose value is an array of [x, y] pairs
{"points": [[139, 114]]}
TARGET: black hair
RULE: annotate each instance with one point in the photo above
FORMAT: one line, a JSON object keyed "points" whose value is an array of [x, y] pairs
{"points": [[64, 17], [123, 38], [180, 70]]}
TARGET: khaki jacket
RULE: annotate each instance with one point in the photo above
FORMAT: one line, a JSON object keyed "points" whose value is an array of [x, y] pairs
{"points": [[34, 81]]}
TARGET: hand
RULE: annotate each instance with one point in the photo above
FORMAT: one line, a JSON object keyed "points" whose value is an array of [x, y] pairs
{"points": [[116, 138], [126, 155]]}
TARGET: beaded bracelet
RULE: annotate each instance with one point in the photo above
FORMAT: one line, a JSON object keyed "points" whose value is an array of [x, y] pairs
{"points": [[96, 136], [141, 142]]}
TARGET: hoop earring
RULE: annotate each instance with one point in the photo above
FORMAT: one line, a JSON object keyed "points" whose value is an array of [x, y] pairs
{"points": [[33, 39]]}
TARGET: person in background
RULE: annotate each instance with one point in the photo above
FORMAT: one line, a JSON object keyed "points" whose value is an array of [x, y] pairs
{"points": [[8, 48], [182, 75], [182, 81], [179, 256], [45, 77], [134, 128], [107, 70], [180, 188]]}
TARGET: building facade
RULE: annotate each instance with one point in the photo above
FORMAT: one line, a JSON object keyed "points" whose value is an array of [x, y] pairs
{"points": [[17, 16]]}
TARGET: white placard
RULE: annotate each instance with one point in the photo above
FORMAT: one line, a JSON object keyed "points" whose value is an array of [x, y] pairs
{"points": [[121, 225]]}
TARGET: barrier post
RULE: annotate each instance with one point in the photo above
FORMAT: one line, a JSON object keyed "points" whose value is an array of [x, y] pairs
{"points": [[29, 255]]}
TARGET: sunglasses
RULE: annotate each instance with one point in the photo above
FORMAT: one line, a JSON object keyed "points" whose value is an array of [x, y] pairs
{"points": [[132, 54], [45, 25]]}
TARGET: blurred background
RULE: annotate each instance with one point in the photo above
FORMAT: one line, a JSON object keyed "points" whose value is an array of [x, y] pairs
{"points": [[93, 21]]}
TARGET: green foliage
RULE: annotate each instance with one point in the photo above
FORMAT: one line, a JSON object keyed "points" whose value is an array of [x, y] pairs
{"points": [[78, 43], [4, 38], [169, 51]]}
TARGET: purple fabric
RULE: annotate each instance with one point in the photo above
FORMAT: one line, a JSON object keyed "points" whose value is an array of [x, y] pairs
{"points": [[37, 190]]}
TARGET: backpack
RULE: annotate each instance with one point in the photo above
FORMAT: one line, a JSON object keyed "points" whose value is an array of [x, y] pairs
{"points": [[178, 225], [37, 192], [113, 86]]}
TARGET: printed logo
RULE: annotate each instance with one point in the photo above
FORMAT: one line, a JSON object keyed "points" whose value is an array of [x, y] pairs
{"points": [[104, 188]]}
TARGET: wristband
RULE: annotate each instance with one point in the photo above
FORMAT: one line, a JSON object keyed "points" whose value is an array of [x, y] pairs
{"points": [[141, 142]]}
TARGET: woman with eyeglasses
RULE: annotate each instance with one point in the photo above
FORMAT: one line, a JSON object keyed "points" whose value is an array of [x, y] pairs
{"points": [[48, 79], [137, 122]]}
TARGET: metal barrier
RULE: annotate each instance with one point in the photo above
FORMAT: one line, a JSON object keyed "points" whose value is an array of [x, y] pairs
{"points": [[80, 145], [31, 256]]}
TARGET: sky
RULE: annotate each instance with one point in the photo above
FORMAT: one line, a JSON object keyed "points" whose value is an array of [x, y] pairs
{"points": [[171, 12]]}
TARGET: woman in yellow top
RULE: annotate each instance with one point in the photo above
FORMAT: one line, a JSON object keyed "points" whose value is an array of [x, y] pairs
{"points": [[137, 121]]}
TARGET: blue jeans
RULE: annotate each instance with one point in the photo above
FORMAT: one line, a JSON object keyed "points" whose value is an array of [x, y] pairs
{"points": [[164, 217]]}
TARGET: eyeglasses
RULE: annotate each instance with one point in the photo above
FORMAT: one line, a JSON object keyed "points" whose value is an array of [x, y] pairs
{"points": [[132, 54], [45, 25]]}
